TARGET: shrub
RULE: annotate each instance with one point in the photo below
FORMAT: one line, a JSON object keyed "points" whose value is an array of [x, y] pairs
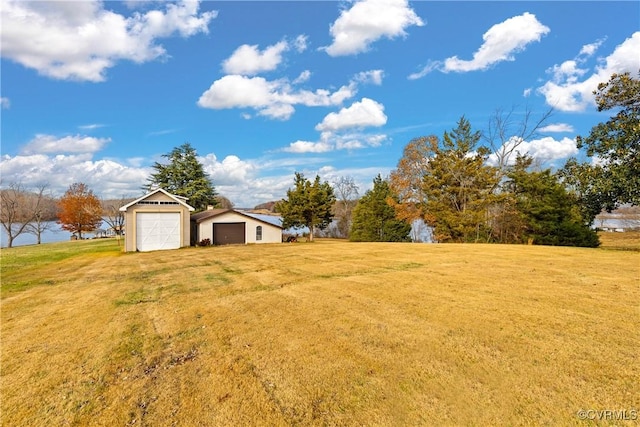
{"points": [[205, 242]]}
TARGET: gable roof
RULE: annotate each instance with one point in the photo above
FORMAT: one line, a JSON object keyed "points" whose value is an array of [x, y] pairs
{"points": [[181, 200], [202, 216]]}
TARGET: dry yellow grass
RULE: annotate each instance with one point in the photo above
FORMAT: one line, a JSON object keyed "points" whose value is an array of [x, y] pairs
{"points": [[329, 333], [621, 241]]}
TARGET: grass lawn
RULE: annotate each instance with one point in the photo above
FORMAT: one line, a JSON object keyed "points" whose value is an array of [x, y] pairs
{"points": [[324, 333]]}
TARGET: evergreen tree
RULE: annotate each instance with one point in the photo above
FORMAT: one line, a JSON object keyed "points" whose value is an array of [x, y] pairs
{"points": [[546, 211], [374, 218], [307, 204], [459, 187], [184, 176]]}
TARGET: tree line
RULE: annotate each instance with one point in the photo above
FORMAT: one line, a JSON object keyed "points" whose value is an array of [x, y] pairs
{"points": [[449, 184], [34, 211], [446, 183]]}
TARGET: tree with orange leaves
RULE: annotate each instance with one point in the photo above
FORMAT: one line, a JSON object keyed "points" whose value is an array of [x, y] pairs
{"points": [[407, 180], [79, 210]]}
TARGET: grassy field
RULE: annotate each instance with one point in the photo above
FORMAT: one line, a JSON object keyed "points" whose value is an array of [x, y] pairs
{"points": [[325, 333]]}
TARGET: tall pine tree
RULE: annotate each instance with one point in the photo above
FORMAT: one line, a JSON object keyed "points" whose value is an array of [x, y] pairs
{"points": [[184, 176], [459, 187]]}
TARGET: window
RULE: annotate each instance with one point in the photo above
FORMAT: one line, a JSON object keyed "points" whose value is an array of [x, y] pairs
{"points": [[259, 232], [156, 202]]}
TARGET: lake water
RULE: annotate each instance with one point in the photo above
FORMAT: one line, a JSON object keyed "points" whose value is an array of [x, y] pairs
{"points": [[55, 234]]}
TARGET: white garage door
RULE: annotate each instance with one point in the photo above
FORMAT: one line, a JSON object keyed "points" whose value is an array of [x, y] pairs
{"points": [[157, 230]]}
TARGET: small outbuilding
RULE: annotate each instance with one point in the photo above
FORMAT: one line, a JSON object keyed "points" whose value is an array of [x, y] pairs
{"points": [[229, 226], [157, 221]]}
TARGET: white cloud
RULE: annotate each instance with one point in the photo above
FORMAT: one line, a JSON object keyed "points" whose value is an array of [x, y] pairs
{"points": [[91, 126], [366, 22], [501, 42], [431, 66], [545, 149], [229, 171], [278, 110], [371, 77], [567, 92], [5, 102], [239, 91], [351, 141], [365, 113], [303, 77], [238, 180], [107, 178], [550, 149], [309, 147], [68, 144], [81, 40], [300, 43], [335, 129], [275, 99], [590, 49], [249, 60], [557, 127], [331, 141]]}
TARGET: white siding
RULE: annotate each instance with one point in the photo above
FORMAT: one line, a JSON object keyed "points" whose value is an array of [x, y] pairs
{"points": [[270, 233]]}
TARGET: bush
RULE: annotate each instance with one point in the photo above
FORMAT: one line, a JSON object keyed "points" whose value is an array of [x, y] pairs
{"points": [[205, 242]]}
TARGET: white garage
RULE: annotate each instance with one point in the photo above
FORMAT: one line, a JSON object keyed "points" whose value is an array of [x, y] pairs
{"points": [[230, 226], [157, 221]]}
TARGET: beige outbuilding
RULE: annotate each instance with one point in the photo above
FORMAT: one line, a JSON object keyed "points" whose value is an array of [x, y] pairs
{"points": [[229, 226], [157, 221]]}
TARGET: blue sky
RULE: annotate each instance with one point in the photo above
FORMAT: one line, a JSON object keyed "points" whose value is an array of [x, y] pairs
{"points": [[95, 92]]}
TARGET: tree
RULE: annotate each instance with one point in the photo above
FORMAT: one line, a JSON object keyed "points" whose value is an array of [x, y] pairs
{"points": [[459, 187], [406, 181], [615, 178], [374, 218], [307, 204], [112, 214], [185, 176], [20, 208], [45, 211], [506, 132], [79, 210], [223, 202], [347, 194], [547, 214], [267, 206]]}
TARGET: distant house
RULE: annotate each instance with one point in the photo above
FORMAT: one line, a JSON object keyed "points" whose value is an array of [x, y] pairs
{"points": [[156, 221], [229, 226]]}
